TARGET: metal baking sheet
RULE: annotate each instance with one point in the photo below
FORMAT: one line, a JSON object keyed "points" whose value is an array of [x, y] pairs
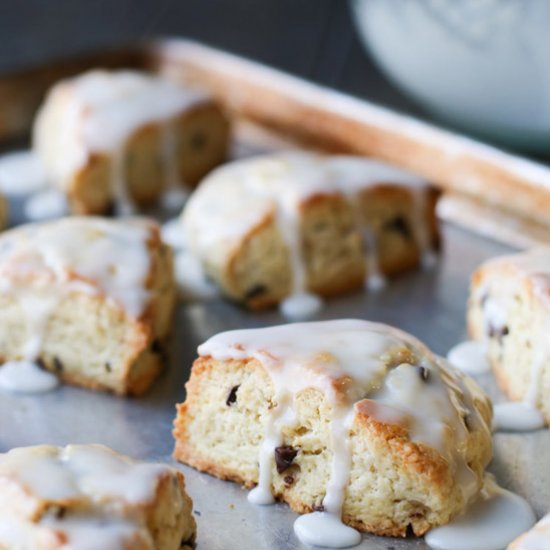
{"points": [[430, 305]]}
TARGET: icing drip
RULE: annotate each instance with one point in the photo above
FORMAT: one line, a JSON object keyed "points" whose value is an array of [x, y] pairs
{"points": [[494, 520], [46, 205], [192, 282], [173, 199], [21, 173], [96, 113], [124, 203], [243, 195], [375, 280], [301, 306], [517, 416], [323, 355], [469, 357], [324, 529], [523, 415], [26, 377]]}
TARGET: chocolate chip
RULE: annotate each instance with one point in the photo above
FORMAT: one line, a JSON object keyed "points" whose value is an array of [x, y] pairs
{"points": [[498, 332], [198, 141], [399, 225], [318, 508], [156, 346], [232, 397], [41, 363], [190, 542], [57, 364], [284, 457], [60, 512], [255, 291], [424, 373], [289, 480], [466, 420], [108, 366]]}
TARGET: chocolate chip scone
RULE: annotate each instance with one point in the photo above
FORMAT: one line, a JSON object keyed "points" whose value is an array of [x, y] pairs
{"points": [[352, 418], [88, 496], [509, 312], [120, 138], [268, 227], [89, 299]]}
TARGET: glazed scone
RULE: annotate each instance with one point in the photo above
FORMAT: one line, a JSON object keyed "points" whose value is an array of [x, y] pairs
{"points": [[277, 225], [405, 437], [120, 138], [88, 496], [538, 538], [509, 311], [89, 299]]}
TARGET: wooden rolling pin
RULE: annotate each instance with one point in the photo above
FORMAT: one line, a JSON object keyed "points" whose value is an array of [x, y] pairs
{"points": [[323, 118]]}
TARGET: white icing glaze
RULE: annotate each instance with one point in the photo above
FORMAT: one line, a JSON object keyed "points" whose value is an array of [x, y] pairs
{"points": [[301, 305], [173, 198], [324, 529], [90, 533], [26, 377], [46, 205], [192, 282], [172, 233], [96, 254], [240, 196], [517, 416], [537, 538], [21, 173], [40, 264], [318, 355], [106, 483], [189, 274], [491, 523], [97, 112], [469, 357], [92, 471]]}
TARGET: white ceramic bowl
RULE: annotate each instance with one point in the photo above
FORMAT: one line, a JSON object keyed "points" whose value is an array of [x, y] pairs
{"points": [[482, 65]]}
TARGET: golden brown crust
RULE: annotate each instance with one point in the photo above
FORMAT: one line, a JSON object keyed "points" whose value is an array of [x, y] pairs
{"points": [[376, 447], [202, 138], [116, 351]]}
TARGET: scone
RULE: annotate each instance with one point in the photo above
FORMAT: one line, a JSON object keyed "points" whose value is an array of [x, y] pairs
{"points": [[509, 311], [354, 418], [272, 226], [89, 496], [89, 299], [538, 538], [120, 138]]}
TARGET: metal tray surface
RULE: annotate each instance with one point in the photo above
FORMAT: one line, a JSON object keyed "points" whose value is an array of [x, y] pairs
{"points": [[430, 305]]}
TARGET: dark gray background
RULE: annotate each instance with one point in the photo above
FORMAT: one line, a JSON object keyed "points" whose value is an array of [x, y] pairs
{"points": [[311, 38]]}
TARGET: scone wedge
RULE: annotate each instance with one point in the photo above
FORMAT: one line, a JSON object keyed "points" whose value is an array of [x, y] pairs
{"points": [[89, 299], [89, 496], [509, 311], [350, 417]]}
